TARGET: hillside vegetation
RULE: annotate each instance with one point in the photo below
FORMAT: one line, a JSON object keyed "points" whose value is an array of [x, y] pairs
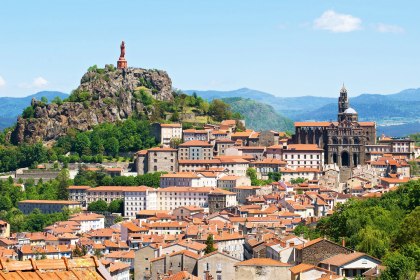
{"points": [[386, 227], [259, 116]]}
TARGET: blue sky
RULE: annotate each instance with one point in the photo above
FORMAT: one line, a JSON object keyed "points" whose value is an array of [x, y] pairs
{"points": [[287, 48]]}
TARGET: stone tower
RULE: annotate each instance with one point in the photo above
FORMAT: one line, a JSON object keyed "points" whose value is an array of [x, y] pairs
{"points": [[343, 103]]}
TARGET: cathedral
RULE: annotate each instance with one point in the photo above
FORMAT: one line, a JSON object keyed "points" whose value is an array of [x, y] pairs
{"points": [[343, 141]]}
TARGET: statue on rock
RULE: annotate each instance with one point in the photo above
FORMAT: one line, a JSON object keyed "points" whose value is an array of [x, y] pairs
{"points": [[122, 63]]}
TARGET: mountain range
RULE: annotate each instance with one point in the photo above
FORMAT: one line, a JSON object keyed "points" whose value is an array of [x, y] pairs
{"points": [[12, 107], [395, 114]]}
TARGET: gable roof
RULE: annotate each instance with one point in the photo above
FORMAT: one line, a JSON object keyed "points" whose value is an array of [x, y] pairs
{"points": [[342, 259]]}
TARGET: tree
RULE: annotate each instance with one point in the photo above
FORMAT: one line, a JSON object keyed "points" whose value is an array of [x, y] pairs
{"points": [[63, 179], [298, 180], [398, 267], [209, 244], [275, 176], [252, 174], [44, 100], [116, 206], [112, 146], [174, 143], [5, 203], [219, 110], [82, 144], [57, 100], [409, 228], [80, 251], [98, 206]]}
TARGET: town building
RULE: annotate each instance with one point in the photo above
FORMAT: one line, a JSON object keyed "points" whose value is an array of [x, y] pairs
{"points": [[165, 132], [195, 150], [344, 142], [78, 193], [47, 206]]}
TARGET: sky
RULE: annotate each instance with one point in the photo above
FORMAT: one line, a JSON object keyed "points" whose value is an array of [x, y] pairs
{"points": [[286, 48]]}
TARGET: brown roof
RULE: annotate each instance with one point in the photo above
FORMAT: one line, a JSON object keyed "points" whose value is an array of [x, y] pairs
{"points": [[79, 187], [64, 202], [76, 268], [195, 143], [342, 259], [170, 125]]}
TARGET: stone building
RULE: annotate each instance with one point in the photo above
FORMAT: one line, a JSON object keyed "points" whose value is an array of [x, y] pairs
{"points": [[162, 159], [218, 265], [195, 150], [317, 250], [343, 141], [262, 268]]}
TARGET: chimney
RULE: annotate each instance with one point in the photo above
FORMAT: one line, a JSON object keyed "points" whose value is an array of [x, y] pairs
{"points": [[343, 242]]}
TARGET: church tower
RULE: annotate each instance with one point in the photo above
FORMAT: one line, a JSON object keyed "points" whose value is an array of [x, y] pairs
{"points": [[343, 103]]}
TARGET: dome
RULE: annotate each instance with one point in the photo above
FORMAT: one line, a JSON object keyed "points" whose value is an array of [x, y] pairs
{"points": [[350, 111]]}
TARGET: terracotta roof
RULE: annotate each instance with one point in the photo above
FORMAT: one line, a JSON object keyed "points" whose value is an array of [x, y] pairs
{"points": [[195, 143], [115, 266], [64, 202], [79, 187], [120, 189], [312, 124], [175, 125], [303, 147], [162, 149], [305, 267], [262, 262], [342, 259], [190, 175], [76, 268], [182, 275]]}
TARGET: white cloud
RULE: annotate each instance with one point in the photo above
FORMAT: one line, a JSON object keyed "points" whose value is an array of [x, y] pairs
{"points": [[2, 82], [39, 82], [337, 23], [388, 28]]}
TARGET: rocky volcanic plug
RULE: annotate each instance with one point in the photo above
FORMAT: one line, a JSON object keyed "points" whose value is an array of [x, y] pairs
{"points": [[104, 95]]}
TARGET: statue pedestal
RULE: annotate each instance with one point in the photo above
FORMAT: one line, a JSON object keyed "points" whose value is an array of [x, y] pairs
{"points": [[122, 63]]}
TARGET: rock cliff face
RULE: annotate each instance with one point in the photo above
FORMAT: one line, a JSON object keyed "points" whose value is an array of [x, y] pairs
{"points": [[104, 95]]}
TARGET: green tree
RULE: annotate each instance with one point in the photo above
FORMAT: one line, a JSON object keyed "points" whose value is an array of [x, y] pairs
{"points": [[398, 267], [409, 229], [28, 112], [5, 203], [82, 144], [219, 110], [57, 100], [44, 100], [63, 179], [98, 206], [252, 174], [116, 206], [112, 146], [209, 244]]}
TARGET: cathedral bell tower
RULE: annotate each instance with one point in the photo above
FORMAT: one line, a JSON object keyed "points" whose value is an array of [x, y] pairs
{"points": [[343, 103]]}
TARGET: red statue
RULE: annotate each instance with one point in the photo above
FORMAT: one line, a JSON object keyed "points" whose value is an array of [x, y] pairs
{"points": [[122, 63], [122, 49]]}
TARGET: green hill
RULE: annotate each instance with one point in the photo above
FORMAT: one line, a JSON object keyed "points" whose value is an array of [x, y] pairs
{"points": [[259, 116]]}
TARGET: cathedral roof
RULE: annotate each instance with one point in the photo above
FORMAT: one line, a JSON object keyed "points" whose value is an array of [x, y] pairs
{"points": [[350, 111]]}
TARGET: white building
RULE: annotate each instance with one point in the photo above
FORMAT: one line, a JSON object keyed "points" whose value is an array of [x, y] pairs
{"points": [[173, 197], [170, 131], [88, 221], [303, 156]]}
